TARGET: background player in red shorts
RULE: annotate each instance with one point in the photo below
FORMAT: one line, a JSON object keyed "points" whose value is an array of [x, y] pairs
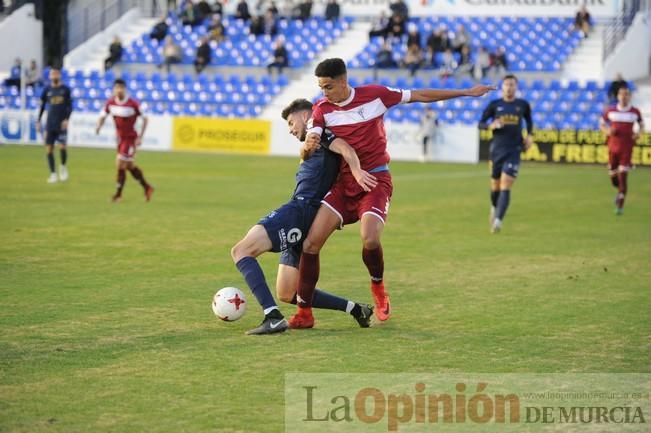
{"points": [[356, 115], [617, 124], [125, 111]]}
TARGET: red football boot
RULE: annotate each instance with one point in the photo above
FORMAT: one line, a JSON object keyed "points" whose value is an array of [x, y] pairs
{"points": [[382, 303], [303, 319], [149, 192]]}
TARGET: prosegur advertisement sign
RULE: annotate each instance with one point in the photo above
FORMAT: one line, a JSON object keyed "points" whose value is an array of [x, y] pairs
{"points": [[222, 135], [571, 146]]}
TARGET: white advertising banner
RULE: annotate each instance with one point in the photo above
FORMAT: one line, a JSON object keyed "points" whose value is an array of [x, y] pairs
{"points": [[20, 127], [454, 143], [158, 135], [513, 8]]}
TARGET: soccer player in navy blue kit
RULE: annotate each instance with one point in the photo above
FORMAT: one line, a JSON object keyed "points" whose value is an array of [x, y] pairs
{"points": [[284, 229], [56, 96], [506, 115]]}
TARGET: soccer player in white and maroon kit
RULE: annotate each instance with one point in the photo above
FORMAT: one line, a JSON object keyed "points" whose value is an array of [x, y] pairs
{"points": [[357, 116], [125, 111], [617, 124]]}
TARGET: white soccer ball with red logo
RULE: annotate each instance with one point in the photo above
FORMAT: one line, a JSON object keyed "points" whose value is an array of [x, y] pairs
{"points": [[229, 304]]}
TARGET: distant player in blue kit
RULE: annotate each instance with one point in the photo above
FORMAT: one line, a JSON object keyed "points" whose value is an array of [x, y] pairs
{"points": [[56, 96], [284, 229], [506, 115]]}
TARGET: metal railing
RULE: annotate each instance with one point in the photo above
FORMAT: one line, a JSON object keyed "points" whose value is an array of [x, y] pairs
{"points": [[87, 18], [617, 27]]}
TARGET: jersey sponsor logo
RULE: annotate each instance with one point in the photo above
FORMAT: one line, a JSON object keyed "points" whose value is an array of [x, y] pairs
{"points": [[361, 114], [294, 235], [121, 111], [622, 116]]}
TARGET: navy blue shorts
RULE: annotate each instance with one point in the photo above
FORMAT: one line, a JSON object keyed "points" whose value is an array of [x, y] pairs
{"points": [[508, 163], [287, 227], [56, 135]]}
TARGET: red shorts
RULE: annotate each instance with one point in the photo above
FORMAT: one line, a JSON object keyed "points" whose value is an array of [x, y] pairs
{"points": [[619, 160], [350, 202], [127, 148]]}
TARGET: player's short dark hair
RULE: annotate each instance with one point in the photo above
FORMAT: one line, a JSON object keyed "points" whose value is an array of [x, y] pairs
{"points": [[295, 106], [510, 77], [119, 82], [623, 86], [330, 68]]}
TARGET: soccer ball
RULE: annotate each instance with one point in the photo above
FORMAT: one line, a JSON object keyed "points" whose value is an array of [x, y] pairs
{"points": [[229, 304]]}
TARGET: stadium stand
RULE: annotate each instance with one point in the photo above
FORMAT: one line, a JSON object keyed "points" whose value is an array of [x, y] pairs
{"points": [[303, 39], [532, 44], [187, 94]]}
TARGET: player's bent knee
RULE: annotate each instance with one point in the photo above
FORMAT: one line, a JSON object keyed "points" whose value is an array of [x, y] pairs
{"points": [[285, 295], [311, 247]]}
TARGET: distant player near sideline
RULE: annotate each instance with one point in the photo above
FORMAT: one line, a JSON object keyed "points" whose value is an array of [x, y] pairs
{"points": [[506, 114], [356, 115], [125, 111], [617, 125], [283, 229], [57, 97]]}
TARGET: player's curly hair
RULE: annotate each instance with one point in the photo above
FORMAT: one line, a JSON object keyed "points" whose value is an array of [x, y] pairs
{"points": [[295, 106], [330, 68]]}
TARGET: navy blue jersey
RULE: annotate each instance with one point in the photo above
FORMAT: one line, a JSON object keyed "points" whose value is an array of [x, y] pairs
{"points": [[316, 175], [59, 106], [508, 138]]}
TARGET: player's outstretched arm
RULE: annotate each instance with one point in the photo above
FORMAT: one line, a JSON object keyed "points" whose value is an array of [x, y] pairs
{"points": [[433, 95], [366, 180]]}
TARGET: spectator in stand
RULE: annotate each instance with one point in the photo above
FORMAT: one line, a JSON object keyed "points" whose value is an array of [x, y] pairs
{"points": [[257, 27], [217, 30], [270, 25], [466, 66], [160, 29], [171, 54], [203, 55], [217, 7], [273, 8], [115, 53], [461, 39], [448, 64], [482, 64], [399, 7], [396, 27], [32, 74], [242, 11], [614, 87], [437, 42], [583, 21], [413, 58], [332, 10], [15, 73], [500, 64], [280, 57], [413, 35], [188, 15], [379, 26], [384, 59], [305, 10], [202, 10]]}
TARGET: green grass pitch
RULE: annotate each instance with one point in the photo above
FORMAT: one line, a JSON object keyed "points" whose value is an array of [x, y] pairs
{"points": [[105, 320]]}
